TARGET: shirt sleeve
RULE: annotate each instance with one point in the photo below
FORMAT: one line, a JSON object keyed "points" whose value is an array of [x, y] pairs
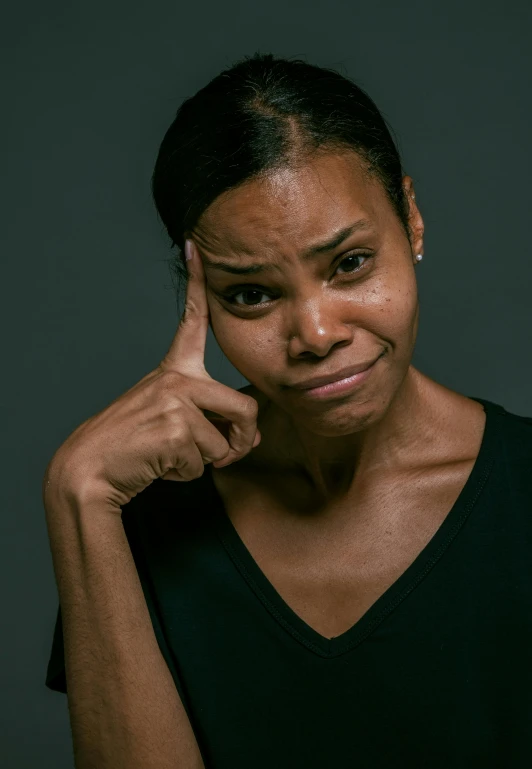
{"points": [[55, 674]]}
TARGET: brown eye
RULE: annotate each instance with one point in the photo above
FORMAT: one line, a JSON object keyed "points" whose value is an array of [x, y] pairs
{"points": [[350, 261], [255, 293]]}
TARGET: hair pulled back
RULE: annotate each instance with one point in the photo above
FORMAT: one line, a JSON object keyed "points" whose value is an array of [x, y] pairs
{"points": [[261, 114]]}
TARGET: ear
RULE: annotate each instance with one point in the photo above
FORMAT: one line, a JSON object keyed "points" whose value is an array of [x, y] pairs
{"points": [[415, 222]]}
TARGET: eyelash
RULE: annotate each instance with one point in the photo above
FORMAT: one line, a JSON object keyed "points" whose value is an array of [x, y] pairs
{"points": [[230, 297]]}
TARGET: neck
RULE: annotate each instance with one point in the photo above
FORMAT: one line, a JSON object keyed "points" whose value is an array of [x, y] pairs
{"points": [[381, 438]]}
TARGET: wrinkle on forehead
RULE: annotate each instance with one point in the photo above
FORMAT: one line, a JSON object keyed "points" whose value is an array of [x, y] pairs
{"points": [[289, 208]]}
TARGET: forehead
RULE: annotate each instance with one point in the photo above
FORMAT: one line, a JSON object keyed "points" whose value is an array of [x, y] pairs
{"points": [[301, 204]]}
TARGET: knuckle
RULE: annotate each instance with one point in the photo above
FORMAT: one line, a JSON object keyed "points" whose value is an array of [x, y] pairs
{"points": [[176, 438], [187, 462], [169, 380], [179, 432], [192, 311], [216, 454], [174, 411], [188, 470], [250, 408]]}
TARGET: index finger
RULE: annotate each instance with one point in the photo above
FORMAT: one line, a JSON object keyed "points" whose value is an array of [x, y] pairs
{"points": [[187, 351]]}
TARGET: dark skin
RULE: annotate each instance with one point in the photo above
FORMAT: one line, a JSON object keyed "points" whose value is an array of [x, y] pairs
{"points": [[342, 494]]}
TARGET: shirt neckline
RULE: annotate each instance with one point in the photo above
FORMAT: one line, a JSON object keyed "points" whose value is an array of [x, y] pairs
{"points": [[397, 592]]}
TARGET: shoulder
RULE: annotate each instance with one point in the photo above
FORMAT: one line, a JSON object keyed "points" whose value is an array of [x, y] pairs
{"points": [[517, 433]]}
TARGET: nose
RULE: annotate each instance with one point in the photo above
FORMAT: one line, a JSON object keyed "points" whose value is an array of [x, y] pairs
{"points": [[315, 326]]}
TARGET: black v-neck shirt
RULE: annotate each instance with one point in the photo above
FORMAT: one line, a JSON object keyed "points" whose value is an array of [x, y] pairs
{"points": [[437, 674]]}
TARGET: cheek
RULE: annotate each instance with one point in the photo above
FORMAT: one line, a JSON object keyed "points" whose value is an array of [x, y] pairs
{"points": [[387, 305], [248, 345], [399, 311], [399, 307], [396, 293]]}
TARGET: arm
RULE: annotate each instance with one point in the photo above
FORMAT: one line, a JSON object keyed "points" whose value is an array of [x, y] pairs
{"points": [[124, 708]]}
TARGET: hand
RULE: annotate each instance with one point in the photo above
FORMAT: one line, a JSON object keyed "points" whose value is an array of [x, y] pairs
{"points": [[157, 429]]}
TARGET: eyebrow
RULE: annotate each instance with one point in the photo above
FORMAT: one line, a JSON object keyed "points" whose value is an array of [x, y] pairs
{"points": [[315, 250]]}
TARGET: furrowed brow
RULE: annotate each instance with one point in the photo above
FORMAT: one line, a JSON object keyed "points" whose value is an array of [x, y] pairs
{"points": [[315, 250], [224, 267], [337, 239]]}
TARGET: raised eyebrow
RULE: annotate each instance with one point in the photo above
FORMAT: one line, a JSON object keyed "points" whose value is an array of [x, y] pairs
{"points": [[319, 248]]}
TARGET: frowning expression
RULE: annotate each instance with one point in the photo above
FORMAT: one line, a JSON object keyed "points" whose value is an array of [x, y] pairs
{"points": [[309, 270]]}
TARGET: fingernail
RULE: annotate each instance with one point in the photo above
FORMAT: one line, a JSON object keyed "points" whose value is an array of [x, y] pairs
{"points": [[188, 249]]}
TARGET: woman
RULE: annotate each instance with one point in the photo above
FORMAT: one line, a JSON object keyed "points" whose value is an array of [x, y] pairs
{"points": [[343, 579]]}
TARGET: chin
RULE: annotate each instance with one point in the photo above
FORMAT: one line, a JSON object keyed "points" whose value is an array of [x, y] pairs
{"points": [[334, 420]]}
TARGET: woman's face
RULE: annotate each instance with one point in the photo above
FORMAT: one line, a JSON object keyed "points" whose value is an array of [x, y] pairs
{"points": [[303, 313]]}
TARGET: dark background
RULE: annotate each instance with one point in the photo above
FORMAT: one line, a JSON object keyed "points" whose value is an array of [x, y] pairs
{"points": [[88, 301]]}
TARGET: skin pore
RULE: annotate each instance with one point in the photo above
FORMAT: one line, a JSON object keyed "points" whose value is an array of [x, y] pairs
{"points": [[305, 316]]}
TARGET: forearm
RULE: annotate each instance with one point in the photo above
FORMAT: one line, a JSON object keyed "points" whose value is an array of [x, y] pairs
{"points": [[125, 710]]}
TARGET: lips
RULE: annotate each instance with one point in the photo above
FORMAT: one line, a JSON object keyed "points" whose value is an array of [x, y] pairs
{"points": [[343, 373]]}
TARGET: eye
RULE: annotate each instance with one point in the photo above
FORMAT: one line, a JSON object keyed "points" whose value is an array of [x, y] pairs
{"points": [[256, 292], [231, 298], [355, 256]]}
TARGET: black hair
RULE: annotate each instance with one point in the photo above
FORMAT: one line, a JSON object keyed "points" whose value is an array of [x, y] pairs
{"points": [[261, 114]]}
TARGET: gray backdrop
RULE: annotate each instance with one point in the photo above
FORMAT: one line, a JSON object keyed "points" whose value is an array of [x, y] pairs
{"points": [[88, 303]]}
